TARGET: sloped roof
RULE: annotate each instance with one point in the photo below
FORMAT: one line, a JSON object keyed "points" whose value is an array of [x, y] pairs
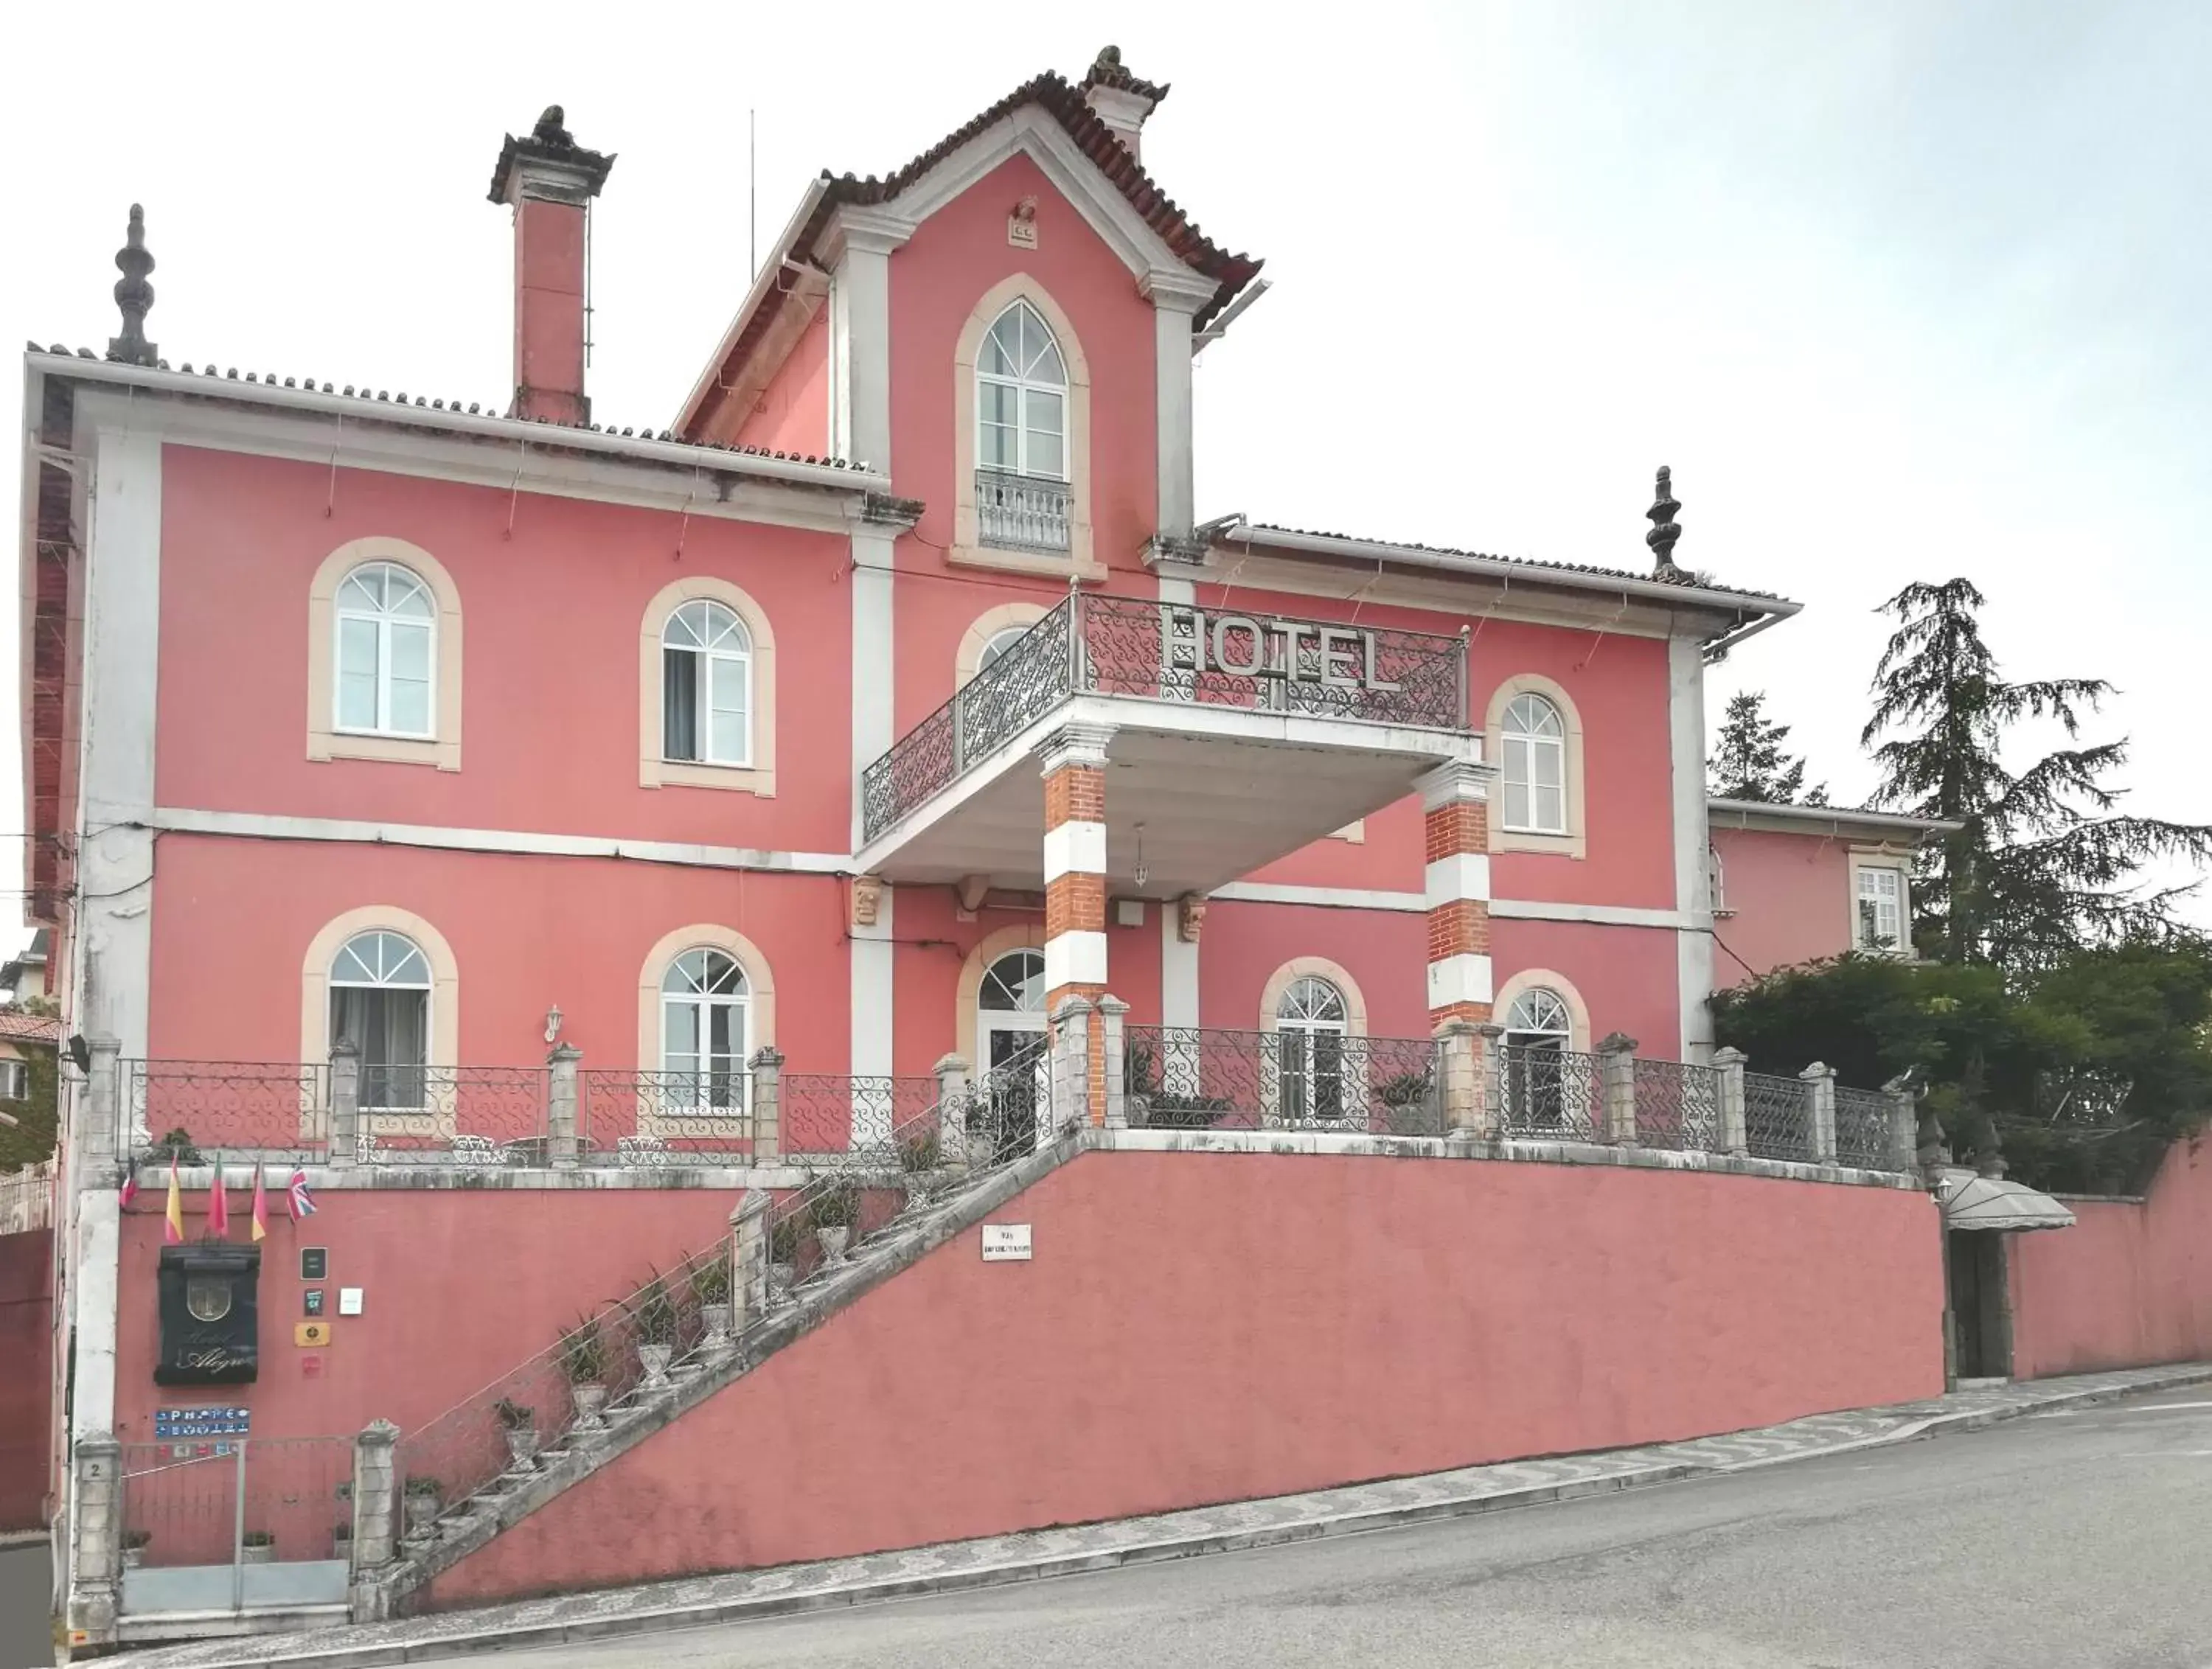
{"points": [[17, 1027], [1682, 577], [1064, 100]]}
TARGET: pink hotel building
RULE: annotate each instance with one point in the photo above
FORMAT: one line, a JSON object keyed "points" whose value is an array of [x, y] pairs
{"points": [[890, 698]]}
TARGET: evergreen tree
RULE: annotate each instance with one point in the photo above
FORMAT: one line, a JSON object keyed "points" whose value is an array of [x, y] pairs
{"points": [[1748, 762], [2041, 863]]}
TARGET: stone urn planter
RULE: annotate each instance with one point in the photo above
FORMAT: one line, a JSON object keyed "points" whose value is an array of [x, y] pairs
{"points": [[653, 1358], [260, 1548], [134, 1548], [833, 1241], [781, 1277], [715, 1343], [422, 1504], [834, 1212], [591, 1406], [520, 1425]]}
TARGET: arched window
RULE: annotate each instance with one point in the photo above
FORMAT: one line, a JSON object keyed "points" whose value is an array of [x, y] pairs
{"points": [[706, 686], [1311, 1023], [1539, 1018], [381, 1004], [1000, 642], [385, 658], [1021, 397], [1539, 1026], [1535, 744], [704, 999]]}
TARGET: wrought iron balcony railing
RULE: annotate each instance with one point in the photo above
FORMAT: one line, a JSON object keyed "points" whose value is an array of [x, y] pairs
{"points": [[1021, 512], [1149, 650]]}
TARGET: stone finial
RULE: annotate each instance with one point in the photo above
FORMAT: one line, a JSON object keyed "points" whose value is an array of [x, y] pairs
{"points": [[1664, 531], [134, 296]]}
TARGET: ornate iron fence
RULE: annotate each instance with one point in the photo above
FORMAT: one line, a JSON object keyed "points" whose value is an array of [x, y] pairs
{"points": [[276, 1109], [1024, 512], [1678, 1106], [1556, 1095], [1179, 1077], [1145, 648], [827, 1117], [1862, 1130], [1777, 1119], [453, 1115], [607, 1368], [639, 1118]]}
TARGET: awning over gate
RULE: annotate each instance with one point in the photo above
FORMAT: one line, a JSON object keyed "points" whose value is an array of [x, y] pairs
{"points": [[1989, 1202]]}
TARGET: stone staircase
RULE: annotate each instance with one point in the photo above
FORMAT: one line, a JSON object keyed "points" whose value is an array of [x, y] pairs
{"points": [[770, 1320]]}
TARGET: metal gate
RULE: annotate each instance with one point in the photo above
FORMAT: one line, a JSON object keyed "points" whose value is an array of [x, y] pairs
{"points": [[236, 1524]]}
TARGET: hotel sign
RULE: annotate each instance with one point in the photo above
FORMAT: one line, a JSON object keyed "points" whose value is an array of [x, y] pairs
{"points": [[1263, 646]]}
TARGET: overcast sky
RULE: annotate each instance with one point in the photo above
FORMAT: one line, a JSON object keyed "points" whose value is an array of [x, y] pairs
{"points": [[1900, 290]]}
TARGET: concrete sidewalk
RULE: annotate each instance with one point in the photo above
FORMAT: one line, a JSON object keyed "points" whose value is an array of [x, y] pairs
{"points": [[1032, 1555]]}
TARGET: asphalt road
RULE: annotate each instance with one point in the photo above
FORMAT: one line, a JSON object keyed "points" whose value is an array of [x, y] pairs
{"points": [[2077, 1540]]}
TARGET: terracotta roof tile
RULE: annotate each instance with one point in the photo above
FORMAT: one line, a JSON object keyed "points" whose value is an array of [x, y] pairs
{"points": [[21, 1028]]}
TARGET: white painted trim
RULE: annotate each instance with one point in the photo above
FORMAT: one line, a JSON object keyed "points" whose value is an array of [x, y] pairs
{"points": [[1074, 849], [1518, 909], [1596, 915], [1840, 822], [1461, 780], [1694, 943], [1458, 876], [1074, 958], [1464, 978], [362, 416], [874, 988], [256, 825], [860, 352], [874, 651], [1178, 970]]}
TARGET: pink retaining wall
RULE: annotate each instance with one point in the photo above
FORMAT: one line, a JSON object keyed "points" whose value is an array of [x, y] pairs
{"points": [[2129, 1284], [458, 1286], [1200, 1328]]}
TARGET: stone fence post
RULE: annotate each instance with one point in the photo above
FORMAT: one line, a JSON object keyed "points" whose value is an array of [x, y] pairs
{"points": [[1728, 1063], [952, 1113], [375, 1497], [345, 1103], [749, 1249], [562, 1125], [1111, 1062], [1459, 1078], [1495, 1117], [95, 1539], [1820, 1084], [768, 1106], [1070, 1077], [106, 1135], [1904, 1124], [1617, 1074]]}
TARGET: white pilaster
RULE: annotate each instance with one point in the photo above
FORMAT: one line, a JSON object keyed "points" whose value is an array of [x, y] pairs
{"points": [[1171, 317], [1178, 970], [873, 638], [1693, 942], [873, 952], [859, 248]]}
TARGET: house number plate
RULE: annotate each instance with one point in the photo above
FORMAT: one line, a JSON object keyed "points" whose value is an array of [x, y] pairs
{"points": [[1006, 1242]]}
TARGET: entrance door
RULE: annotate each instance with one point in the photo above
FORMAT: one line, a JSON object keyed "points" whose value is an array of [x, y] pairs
{"points": [[1981, 1312], [1010, 1036]]}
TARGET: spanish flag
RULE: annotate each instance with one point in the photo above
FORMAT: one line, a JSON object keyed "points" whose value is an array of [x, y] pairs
{"points": [[260, 1207], [172, 1228]]}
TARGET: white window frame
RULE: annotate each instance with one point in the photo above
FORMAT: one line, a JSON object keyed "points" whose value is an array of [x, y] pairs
{"points": [[15, 1079], [385, 977], [1520, 747], [1888, 865], [384, 619], [997, 645], [1024, 385], [1300, 1059], [703, 1003], [705, 655]]}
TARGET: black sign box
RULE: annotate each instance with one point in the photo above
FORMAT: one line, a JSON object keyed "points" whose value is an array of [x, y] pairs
{"points": [[209, 1308]]}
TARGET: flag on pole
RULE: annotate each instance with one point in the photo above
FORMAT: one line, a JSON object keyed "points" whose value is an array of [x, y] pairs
{"points": [[130, 1185], [296, 1197], [172, 1230], [260, 1207], [218, 1206]]}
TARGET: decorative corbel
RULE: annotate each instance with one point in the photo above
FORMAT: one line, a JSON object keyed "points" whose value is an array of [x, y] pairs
{"points": [[868, 898]]}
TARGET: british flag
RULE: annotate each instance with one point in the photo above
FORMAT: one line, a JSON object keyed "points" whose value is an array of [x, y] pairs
{"points": [[297, 1199]]}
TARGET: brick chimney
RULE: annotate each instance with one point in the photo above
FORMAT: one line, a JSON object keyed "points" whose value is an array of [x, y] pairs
{"points": [[550, 180], [1121, 100]]}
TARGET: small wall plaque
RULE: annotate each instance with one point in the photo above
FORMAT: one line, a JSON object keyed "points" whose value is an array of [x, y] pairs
{"points": [[311, 1335], [1021, 225], [1006, 1242], [312, 1299], [226, 1421], [348, 1301], [315, 1263]]}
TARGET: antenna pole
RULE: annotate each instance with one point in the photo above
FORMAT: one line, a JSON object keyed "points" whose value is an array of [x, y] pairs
{"points": [[752, 195]]}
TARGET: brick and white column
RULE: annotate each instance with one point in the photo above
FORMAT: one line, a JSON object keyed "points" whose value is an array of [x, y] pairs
{"points": [[1455, 802], [1075, 873]]}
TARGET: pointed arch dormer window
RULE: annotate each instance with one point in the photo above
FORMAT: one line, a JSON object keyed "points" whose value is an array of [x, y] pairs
{"points": [[1022, 476]]}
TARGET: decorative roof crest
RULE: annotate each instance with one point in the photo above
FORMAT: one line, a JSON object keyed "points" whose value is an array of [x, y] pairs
{"points": [[134, 296]]}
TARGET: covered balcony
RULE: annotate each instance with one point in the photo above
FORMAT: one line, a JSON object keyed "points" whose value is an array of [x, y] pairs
{"points": [[1235, 737]]}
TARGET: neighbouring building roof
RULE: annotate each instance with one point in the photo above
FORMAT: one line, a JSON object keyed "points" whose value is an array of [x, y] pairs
{"points": [[34, 955], [17, 1027], [1845, 820], [1050, 92], [1971, 1201]]}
